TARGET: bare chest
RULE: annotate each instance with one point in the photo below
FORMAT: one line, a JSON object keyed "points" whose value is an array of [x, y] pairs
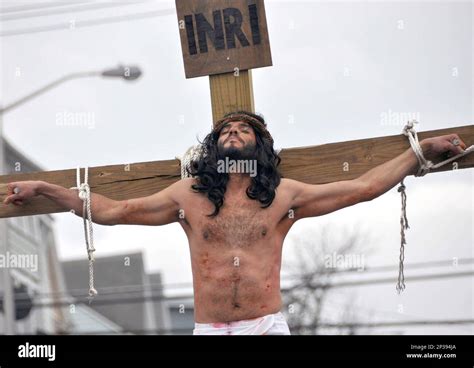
{"points": [[239, 224]]}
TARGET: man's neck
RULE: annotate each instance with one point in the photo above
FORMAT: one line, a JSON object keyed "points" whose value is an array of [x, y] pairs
{"points": [[238, 182]]}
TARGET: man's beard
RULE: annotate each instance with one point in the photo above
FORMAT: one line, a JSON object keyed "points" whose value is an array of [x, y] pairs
{"points": [[247, 152]]}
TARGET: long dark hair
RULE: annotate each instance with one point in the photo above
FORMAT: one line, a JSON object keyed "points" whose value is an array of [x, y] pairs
{"points": [[213, 183]]}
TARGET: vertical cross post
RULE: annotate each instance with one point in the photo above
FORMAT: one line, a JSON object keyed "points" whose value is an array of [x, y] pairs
{"points": [[8, 304], [231, 92], [224, 40]]}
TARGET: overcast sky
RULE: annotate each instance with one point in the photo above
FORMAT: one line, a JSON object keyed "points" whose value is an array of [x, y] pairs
{"points": [[339, 69]]}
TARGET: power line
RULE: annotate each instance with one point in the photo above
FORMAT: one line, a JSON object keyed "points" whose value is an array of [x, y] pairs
{"points": [[72, 24], [389, 280], [334, 305], [128, 289], [137, 288], [141, 298], [43, 5], [376, 269], [389, 324], [74, 9], [103, 301]]}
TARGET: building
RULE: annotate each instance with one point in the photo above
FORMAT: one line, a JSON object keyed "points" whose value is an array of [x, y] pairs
{"points": [[30, 271], [129, 297], [181, 315], [50, 296], [86, 320], [174, 315]]}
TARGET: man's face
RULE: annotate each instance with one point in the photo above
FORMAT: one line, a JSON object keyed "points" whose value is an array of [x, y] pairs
{"points": [[237, 141]]}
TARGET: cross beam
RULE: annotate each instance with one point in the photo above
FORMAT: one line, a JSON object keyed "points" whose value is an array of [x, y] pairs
{"points": [[229, 66], [313, 164]]}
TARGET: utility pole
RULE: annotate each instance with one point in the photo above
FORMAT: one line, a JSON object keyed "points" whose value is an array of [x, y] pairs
{"points": [[5, 276]]}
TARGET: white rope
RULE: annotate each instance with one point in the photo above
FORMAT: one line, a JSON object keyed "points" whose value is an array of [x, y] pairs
{"points": [[425, 167], [404, 225], [85, 194], [192, 153]]}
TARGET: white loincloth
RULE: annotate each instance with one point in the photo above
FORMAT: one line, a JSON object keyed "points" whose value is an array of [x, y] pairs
{"points": [[272, 324]]}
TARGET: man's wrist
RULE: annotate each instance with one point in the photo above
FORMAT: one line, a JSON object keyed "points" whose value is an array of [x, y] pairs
{"points": [[40, 187], [425, 145], [426, 149]]}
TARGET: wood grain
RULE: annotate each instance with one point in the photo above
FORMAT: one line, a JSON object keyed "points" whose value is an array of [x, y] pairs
{"points": [[314, 165], [231, 93], [234, 54]]}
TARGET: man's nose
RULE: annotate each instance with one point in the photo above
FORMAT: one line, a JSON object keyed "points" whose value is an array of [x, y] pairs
{"points": [[233, 131]]}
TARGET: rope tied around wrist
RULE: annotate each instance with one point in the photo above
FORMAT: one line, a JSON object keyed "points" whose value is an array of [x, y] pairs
{"points": [[84, 192], [425, 166]]}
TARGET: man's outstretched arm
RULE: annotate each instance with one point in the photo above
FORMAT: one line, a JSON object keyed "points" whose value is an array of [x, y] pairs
{"points": [[104, 210], [158, 209], [316, 200], [384, 177]]}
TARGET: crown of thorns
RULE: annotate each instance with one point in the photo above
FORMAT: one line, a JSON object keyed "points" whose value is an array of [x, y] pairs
{"points": [[255, 123]]}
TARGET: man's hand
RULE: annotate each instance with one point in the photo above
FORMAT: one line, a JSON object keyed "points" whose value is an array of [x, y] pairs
{"points": [[442, 147], [158, 209], [21, 191], [105, 210]]}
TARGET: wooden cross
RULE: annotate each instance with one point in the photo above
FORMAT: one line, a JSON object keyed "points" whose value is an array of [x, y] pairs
{"points": [[225, 40]]}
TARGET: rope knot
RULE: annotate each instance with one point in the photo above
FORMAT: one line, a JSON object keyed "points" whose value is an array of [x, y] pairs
{"points": [[401, 188], [84, 191], [409, 127], [92, 292]]}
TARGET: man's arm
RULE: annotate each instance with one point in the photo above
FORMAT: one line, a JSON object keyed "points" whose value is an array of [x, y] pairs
{"points": [[382, 178], [310, 200], [316, 200], [158, 209]]}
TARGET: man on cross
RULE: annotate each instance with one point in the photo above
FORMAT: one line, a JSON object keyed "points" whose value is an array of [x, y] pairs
{"points": [[236, 222]]}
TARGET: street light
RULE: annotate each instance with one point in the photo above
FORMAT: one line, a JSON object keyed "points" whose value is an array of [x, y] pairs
{"points": [[128, 73]]}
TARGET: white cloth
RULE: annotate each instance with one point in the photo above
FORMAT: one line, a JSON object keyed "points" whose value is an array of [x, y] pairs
{"points": [[272, 324]]}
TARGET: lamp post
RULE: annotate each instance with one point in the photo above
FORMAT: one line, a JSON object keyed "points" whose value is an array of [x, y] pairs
{"points": [[128, 73]]}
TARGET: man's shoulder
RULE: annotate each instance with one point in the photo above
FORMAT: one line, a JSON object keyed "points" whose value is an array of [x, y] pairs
{"points": [[187, 181], [180, 190], [288, 184], [294, 188], [183, 185]]}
